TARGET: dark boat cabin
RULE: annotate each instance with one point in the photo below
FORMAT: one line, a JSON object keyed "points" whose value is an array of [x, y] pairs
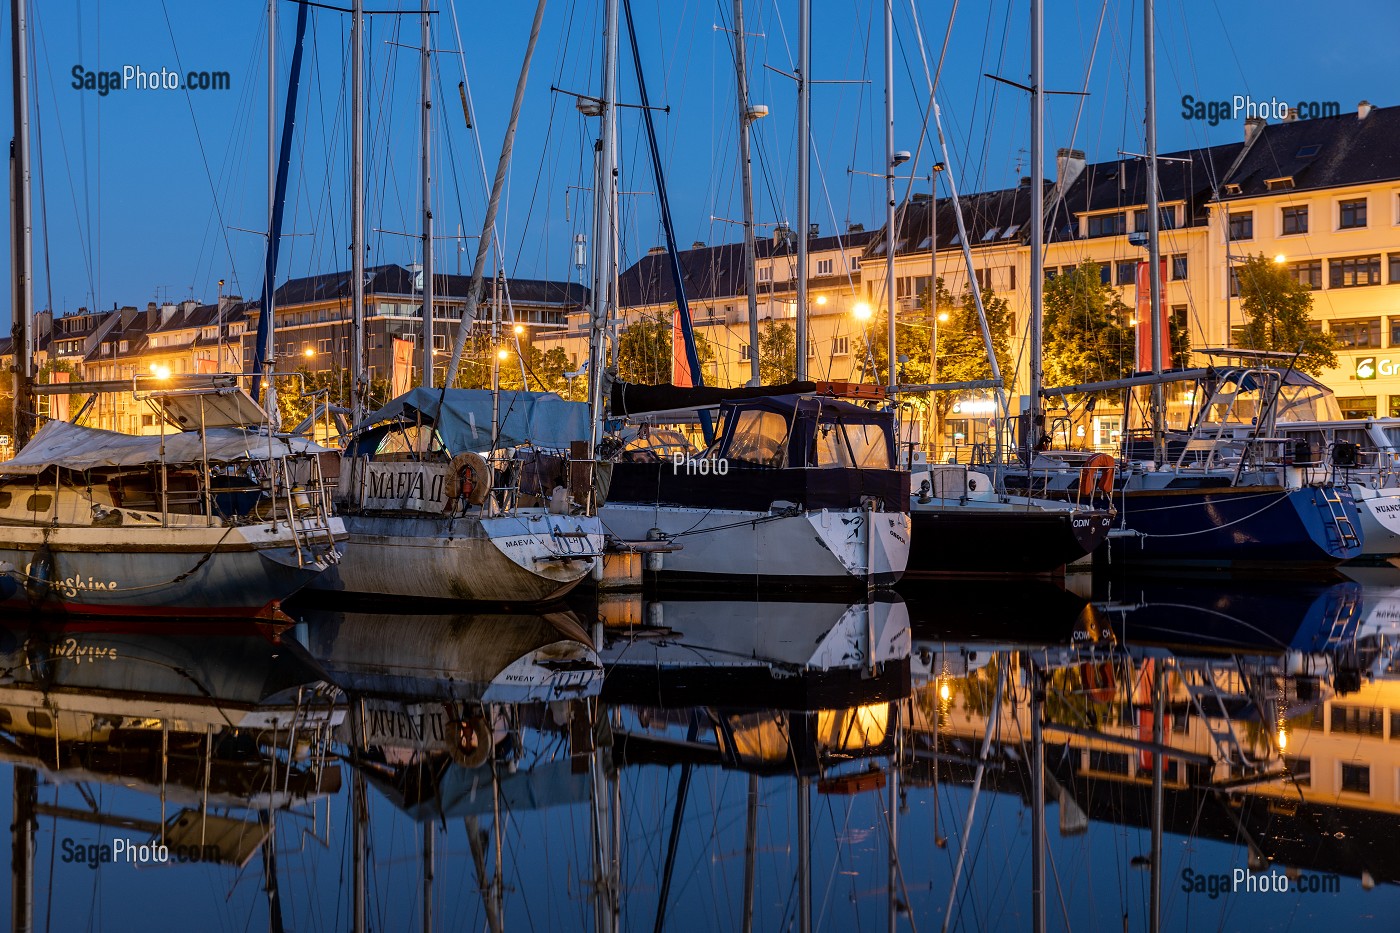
{"points": [[779, 451]]}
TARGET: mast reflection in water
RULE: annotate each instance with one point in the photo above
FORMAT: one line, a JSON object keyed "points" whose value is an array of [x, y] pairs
{"points": [[720, 765]]}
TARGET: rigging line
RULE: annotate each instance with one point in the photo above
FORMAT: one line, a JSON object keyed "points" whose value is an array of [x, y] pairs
{"points": [[203, 156], [43, 197]]}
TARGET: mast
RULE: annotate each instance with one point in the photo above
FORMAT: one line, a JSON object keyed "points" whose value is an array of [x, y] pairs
{"points": [[890, 237], [1034, 414], [269, 332], [804, 143], [1154, 252], [21, 230], [1037, 798], [358, 381], [604, 224], [22, 829], [746, 183], [427, 99]]}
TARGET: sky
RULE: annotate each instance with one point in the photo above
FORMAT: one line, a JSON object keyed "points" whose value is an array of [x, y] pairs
{"points": [[144, 195]]}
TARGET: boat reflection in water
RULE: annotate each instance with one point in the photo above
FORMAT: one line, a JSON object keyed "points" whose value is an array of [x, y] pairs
{"points": [[980, 761]]}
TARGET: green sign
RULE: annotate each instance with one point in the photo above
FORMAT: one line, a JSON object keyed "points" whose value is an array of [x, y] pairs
{"points": [[1366, 367]]}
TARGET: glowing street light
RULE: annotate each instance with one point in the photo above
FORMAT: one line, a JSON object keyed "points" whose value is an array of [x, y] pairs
{"points": [[160, 372], [503, 354], [861, 311], [1280, 259], [308, 353], [821, 299]]}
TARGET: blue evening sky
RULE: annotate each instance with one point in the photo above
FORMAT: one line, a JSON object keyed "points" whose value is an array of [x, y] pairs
{"points": [[144, 192]]}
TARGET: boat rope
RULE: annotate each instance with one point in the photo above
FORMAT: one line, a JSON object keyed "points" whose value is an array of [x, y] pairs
{"points": [[751, 522], [1186, 534]]}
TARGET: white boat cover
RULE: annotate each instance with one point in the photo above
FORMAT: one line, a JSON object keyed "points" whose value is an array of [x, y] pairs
{"points": [[73, 447], [463, 417]]}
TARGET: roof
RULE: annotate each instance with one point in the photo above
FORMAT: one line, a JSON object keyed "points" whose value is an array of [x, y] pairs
{"points": [[712, 272], [395, 279], [989, 218], [1349, 151]]}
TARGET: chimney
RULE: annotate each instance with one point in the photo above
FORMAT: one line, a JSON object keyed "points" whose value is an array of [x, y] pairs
{"points": [[698, 244], [855, 228], [1252, 127], [188, 305], [657, 251], [813, 231], [152, 315], [1069, 164], [1363, 110], [167, 311], [782, 233], [228, 301], [129, 315], [1291, 116], [43, 323]]}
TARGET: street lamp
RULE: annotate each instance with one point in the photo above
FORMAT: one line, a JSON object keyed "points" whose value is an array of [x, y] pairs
{"points": [[519, 329], [861, 311]]}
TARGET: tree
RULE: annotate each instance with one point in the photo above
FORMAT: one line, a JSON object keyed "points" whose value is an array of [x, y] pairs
{"points": [[298, 397], [962, 351], [644, 350], [1088, 337], [777, 353], [1278, 316]]}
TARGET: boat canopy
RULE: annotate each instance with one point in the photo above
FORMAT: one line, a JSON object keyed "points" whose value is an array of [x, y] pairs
{"points": [[806, 431], [632, 399], [462, 419], [73, 447]]}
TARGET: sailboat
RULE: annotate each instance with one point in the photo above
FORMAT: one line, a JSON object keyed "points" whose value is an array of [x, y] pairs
{"points": [[793, 489], [1226, 504], [455, 494]]}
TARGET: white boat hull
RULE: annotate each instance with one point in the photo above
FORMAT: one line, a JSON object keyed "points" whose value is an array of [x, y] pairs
{"points": [[528, 557], [1380, 520], [244, 570], [824, 546]]}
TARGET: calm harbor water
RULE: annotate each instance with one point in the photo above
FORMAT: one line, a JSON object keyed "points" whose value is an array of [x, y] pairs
{"points": [[703, 764]]}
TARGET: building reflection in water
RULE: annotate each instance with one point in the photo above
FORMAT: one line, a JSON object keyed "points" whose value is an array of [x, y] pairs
{"points": [[720, 764]]}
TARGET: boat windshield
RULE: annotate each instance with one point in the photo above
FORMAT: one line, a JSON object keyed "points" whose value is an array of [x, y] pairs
{"points": [[409, 441], [759, 437]]}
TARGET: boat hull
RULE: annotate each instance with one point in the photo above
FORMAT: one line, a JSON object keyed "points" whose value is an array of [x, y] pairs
{"points": [[825, 547], [242, 571], [1232, 529], [529, 557], [953, 538], [1380, 520]]}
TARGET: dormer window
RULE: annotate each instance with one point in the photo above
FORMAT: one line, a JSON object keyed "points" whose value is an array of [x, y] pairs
{"points": [[1232, 188], [1279, 184]]}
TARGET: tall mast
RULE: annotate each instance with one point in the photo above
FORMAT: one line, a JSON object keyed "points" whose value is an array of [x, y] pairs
{"points": [[21, 230], [891, 235], [269, 349], [804, 142], [1034, 414], [604, 225], [358, 386], [746, 178], [427, 99], [1154, 252]]}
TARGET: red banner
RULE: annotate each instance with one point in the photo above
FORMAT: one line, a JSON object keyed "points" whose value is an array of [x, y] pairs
{"points": [[58, 404], [1144, 319], [402, 377], [680, 366]]}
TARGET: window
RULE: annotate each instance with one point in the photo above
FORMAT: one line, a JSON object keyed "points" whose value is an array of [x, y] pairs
{"points": [[1242, 225], [1301, 769], [1106, 274], [1395, 268], [1127, 273], [1351, 214], [840, 346], [1108, 762], [984, 278], [1166, 218], [1357, 720], [1180, 269], [824, 267], [1234, 282], [765, 273], [1279, 184], [1354, 271], [1295, 220], [1354, 409], [991, 234], [1307, 273], [854, 263], [1356, 778], [745, 352], [124, 347], [1011, 279], [323, 345], [1360, 333], [1051, 272], [1107, 224], [759, 437], [1139, 221]]}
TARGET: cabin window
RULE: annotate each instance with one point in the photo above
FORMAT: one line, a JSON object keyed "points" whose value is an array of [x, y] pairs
{"points": [[39, 720], [759, 437], [852, 445], [410, 439], [39, 502], [5, 498]]}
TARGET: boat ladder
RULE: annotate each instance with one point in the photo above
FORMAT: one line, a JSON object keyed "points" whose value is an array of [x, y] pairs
{"points": [[1342, 531], [1210, 699]]}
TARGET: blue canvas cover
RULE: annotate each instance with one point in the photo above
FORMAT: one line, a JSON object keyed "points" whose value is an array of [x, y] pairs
{"points": [[462, 418]]}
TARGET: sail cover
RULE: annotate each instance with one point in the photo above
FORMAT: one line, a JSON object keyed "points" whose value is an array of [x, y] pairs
{"points": [[72, 447], [462, 418]]}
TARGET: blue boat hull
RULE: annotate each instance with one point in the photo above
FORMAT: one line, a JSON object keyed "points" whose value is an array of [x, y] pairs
{"points": [[1234, 529]]}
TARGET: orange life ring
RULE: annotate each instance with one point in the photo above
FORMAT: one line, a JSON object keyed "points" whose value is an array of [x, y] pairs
{"points": [[468, 477], [1097, 474]]}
